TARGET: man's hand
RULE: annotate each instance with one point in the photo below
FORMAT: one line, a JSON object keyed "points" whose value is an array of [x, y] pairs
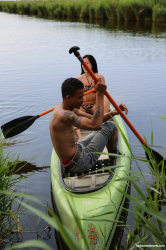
{"points": [[123, 108], [100, 86]]}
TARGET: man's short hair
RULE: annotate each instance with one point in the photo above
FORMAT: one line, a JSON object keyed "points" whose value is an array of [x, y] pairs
{"points": [[70, 85]]}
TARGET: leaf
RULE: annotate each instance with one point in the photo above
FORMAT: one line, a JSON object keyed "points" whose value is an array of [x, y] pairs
{"points": [[29, 243], [18, 224]]}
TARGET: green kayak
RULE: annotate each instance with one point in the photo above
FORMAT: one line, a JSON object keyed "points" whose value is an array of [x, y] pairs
{"points": [[94, 196]]}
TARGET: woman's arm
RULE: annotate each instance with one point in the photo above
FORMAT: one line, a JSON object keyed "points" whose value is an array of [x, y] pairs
{"points": [[108, 115], [78, 134], [106, 104], [81, 113]]}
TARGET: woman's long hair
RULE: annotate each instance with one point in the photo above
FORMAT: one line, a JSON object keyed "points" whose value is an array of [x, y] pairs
{"points": [[92, 60]]}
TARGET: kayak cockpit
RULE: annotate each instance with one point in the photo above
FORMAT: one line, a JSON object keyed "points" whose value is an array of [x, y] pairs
{"points": [[89, 181], [97, 177]]}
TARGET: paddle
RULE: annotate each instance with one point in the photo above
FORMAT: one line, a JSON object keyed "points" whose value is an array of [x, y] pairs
{"points": [[20, 124], [155, 154]]}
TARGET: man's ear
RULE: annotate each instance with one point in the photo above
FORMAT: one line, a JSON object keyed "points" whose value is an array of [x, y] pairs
{"points": [[68, 97]]}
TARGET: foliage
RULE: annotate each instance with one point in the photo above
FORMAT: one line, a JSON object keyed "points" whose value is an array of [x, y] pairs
{"points": [[8, 216], [148, 224], [106, 9]]}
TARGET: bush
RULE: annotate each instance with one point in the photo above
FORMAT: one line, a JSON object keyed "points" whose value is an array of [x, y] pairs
{"points": [[159, 13]]}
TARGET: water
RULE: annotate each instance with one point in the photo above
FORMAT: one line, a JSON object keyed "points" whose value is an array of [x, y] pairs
{"points": [[35, 60]]}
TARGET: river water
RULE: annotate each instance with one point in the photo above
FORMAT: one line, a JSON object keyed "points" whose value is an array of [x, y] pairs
{"points": [[35, 60]]}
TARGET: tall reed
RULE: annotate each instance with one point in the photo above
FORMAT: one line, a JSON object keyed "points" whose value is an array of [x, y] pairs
{"points": [[151, 10], [148, 225], [8, 216]]}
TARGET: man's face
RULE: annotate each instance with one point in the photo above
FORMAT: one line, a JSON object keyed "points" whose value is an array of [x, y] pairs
{"points": [[77, 100]]}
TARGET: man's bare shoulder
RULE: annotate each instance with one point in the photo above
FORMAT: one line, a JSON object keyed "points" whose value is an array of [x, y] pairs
{"points": [[56, 115], [61, 115], [72, 118]]}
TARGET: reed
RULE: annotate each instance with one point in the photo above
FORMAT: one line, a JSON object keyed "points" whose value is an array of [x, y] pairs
{"points": [[147, 223], [148, 10], [8, 215]]}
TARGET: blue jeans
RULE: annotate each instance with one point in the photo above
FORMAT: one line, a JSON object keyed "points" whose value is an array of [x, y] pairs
{"points": [[94, 142]]}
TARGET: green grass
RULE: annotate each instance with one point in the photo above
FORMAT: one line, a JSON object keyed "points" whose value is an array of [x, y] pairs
{"points": [[8, 215], [148, 223], [147, 10]]}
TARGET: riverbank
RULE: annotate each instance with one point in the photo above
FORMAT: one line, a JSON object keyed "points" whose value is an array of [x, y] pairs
{"points": [[121, 10]]}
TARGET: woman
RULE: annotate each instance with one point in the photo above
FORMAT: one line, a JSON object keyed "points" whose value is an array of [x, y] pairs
{"points": [[90, 99], [87, 80]]}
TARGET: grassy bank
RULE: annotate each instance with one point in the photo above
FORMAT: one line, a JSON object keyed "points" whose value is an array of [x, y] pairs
{"points": [[148, 10]]}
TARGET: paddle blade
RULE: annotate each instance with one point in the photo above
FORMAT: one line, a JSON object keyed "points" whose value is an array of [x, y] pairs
{"points": [[17, 126], [153, 154]]}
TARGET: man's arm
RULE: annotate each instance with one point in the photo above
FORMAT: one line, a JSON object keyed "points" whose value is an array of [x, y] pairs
{"points": [[88, 122], [80, 122], [95, 121]]}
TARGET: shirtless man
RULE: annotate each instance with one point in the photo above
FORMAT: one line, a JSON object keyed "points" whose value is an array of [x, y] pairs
{"points": [[79, 157]]}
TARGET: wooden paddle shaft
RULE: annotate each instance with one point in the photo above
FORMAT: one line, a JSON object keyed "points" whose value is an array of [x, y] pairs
{"points": [[113, 102]]}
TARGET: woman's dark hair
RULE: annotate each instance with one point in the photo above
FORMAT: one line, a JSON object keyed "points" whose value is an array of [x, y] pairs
{"points": [[70, 85], [92, 60]]}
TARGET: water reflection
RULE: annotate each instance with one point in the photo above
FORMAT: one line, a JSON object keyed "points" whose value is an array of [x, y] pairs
{"points": [[25, 167], [156, 30], [12, 141]]}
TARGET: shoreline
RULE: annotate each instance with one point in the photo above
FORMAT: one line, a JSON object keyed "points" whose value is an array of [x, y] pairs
{"points": [[131, 10]]}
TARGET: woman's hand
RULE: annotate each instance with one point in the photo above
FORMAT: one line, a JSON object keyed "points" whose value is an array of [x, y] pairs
{"points": [[123, 108]]}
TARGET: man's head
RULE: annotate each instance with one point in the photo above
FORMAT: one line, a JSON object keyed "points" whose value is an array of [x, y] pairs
{"points": [[73, 92]]}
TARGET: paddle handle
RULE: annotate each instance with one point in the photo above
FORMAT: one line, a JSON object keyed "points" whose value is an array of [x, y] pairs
{"points": [[112, 101]]}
